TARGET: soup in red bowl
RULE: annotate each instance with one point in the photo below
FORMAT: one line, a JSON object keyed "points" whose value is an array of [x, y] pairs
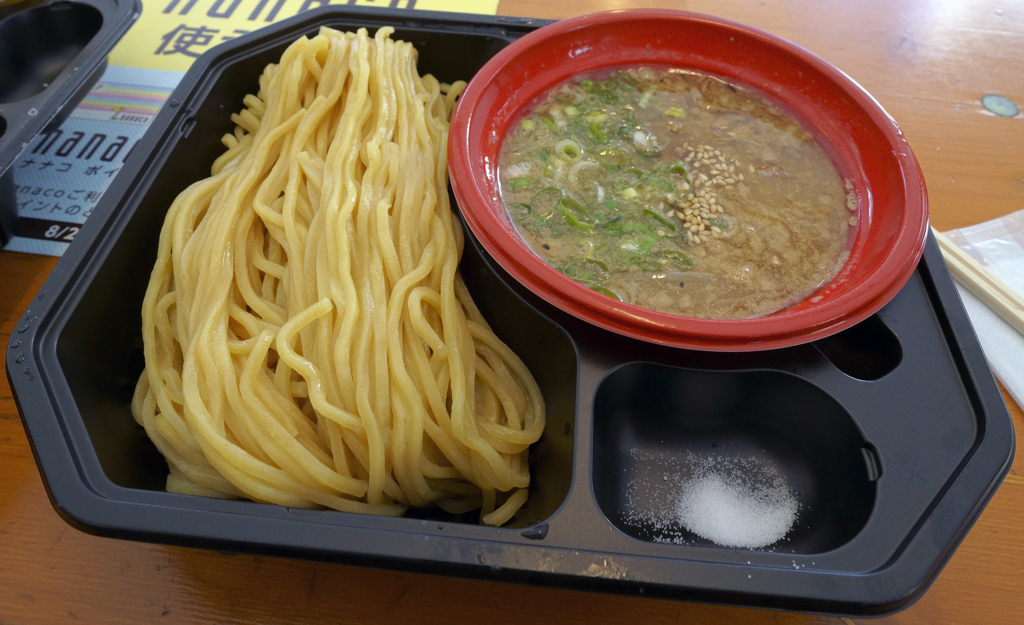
{"points": [[584, 159]]}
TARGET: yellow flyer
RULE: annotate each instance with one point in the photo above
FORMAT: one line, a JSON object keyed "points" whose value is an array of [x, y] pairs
{"points": [[170, 34]]}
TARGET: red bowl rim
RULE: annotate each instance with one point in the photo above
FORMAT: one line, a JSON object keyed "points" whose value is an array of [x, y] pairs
{"points": [[783, 329]]}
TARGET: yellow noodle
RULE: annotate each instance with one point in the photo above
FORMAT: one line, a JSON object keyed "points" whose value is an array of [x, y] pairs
{"points": [[308, 339]]}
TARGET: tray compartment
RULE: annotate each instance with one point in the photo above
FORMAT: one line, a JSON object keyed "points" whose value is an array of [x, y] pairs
{"points": [[51, 54], [100, 349], [36, 45], [654, 426]]}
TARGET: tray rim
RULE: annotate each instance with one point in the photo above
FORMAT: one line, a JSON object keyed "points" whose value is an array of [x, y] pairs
{"points": [[84, 506]]}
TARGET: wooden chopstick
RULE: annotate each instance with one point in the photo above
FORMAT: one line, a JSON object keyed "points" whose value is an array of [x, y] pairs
{"points": [[995, 293]]}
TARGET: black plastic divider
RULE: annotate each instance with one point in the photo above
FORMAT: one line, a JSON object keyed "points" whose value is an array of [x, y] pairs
{"points": [[895, 447]]}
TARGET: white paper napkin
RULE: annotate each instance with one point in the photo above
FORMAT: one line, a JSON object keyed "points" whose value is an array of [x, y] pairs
{"points": [[999, 246]]}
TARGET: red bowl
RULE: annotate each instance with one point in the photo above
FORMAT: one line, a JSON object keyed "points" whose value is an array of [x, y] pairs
{"points": [[866, 144]]}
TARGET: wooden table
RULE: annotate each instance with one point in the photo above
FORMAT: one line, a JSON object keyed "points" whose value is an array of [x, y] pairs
{"points": [[928, 63]]}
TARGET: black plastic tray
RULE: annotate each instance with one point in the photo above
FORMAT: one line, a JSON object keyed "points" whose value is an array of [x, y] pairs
{"points": [[51, 54], [893, 432]]}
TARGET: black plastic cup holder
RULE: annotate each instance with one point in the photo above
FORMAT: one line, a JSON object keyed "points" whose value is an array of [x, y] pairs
{"points": [[653, 424], [893, 434], [38, 44], [867, 351]]}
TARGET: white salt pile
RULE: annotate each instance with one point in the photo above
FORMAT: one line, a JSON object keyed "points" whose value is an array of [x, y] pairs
{"points": [[735, 513], [733, 502]]}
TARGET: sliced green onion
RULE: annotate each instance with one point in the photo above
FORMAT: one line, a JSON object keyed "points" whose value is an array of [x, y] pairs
{"points": [[575, 213], [545, 201], [718, 223], [597, 263], [550, 123], [676, 112], [596, 116], [610, 203], [630, 177], [587, 85], [519, 205], [682, 169], [658, 217], [661, 183], [605, 291], [569, 149], [678, 257], [544, 155], [647, 243], [598, 132], [528, 125], [571, 111], [679, 167], [613, 157], [519, 183], [629, 193]]}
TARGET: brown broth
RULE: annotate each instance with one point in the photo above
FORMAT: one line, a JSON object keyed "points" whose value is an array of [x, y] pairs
{"points": [[776, 214]]}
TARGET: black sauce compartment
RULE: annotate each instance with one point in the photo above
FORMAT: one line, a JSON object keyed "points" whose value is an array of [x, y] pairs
{"points": [[51, 53], [889, 438]]}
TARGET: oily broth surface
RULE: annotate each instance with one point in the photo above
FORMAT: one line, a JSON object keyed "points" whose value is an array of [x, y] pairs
{"points": [[776, 215]]}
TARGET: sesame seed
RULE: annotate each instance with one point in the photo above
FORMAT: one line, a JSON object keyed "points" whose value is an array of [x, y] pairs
{"points": [[696, 239], [714, 234], [688, 212], [739, 176], [702, 177], [730, 180], [693, 228], [700, 228], [715, 229], [717, 153], [720, 209]]}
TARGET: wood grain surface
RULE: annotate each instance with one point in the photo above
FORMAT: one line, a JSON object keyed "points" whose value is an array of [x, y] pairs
{"points": [[927, 62]]}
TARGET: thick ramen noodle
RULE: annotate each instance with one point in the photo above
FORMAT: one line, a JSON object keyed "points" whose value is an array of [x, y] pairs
{"points": [[677, 192], [309, 341]]}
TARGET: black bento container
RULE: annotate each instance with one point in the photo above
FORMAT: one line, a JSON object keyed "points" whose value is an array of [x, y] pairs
{"points": [[51, 54], [893, 432]]}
